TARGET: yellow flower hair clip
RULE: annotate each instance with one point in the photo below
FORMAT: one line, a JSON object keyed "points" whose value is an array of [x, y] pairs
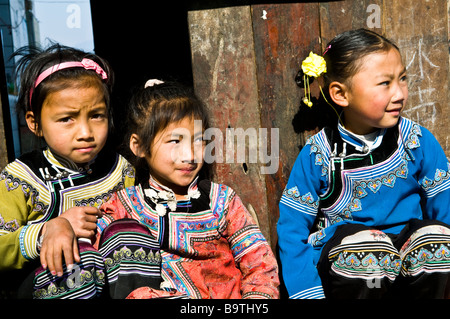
{"points": [[313, 66]]}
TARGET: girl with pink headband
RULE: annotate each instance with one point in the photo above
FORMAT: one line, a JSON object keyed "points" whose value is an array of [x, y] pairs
{"points": [[49, 198]]}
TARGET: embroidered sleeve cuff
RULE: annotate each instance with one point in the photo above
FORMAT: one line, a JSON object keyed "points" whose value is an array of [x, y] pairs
{"points": [[312, 293], [28, 240], [256, 295], [246, 240]]}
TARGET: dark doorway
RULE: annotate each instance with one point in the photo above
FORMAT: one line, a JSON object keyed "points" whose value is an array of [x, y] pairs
{"points": [[141, 40]]}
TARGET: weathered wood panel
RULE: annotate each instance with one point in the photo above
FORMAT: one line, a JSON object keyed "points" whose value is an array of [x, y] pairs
{"points": [[3, 149], [224, 74], [283, 35], [339, 16], [420, 28]]}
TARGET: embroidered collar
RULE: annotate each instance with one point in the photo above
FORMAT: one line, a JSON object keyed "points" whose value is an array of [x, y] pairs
{"points": [[359, 143], [64, 163], [161, 195]]}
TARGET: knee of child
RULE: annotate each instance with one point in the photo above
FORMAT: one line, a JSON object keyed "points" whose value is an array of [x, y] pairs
{"points": [[367, 252], [435, 229], [428, 244], [367, 236]]}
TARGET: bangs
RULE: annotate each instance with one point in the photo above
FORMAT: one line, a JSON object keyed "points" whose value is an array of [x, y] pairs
{"points": [[181, 108], [161, 113]]}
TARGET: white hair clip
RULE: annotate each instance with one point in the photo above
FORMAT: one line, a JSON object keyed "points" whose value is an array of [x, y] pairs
{"points": [[152, 82]]}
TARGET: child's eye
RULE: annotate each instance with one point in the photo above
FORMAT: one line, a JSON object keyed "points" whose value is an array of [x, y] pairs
{"points": [[99, 116], [64, 119], [404, 78]]}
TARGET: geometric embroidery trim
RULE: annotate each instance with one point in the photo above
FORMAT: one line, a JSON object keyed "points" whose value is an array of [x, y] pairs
{"points": [[10, 226], [439, 178], [306, 199], [434, 257], [360, 189], [319, 157], [387, 180], [367, 264], [413, 137]]}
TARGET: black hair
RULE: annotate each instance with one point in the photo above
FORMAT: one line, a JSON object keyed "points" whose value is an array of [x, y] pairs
{"points": [[347, 50], [343, 56], [152, 109], [34, 60]]}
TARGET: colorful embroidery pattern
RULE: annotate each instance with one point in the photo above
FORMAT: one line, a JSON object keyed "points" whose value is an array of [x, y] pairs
{"points": [[427, 250], [413, 136], [9, 226], [12, 183], [315, 238], [304, 203], [247, 238], [358, 182], [440, 182], [317, 144], [42, 188], [83, 283], [204, 248], [367, 254]]}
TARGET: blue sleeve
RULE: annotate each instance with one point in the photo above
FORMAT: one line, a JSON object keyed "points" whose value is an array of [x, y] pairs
{"points": [[298, 210], [434, 178]]}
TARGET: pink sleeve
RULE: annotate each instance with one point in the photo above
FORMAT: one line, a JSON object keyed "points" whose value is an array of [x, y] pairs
{"points": [[112, 210], [252, 253]]}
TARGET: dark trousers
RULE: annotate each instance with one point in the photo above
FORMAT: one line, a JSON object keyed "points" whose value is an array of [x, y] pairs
{"points": [[361, 263], [128, 258]]}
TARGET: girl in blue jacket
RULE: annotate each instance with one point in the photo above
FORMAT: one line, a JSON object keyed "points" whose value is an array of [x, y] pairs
{"points": [[365, 212]]}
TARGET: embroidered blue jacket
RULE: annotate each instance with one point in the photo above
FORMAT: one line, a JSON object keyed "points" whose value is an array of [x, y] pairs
{"points": [[404, 175]]}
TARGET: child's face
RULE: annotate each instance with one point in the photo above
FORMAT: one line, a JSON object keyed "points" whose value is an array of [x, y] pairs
{"points": [[378, 93], [74, 123], [177, 155]]}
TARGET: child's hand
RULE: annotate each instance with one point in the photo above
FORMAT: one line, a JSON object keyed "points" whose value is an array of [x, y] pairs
{"points": [[59, 240], [83, 220]]}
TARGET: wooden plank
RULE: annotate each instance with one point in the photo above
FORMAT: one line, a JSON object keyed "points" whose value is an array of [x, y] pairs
{"points": [[284, 34], [420, 28], [3, 148], [339, 16], [224, 75]]}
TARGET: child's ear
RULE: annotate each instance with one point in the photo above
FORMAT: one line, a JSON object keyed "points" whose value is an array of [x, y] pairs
{"points": [[339, 93], [32, 124], [135, 146]]}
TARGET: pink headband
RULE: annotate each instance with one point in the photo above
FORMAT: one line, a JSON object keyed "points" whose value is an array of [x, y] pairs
{"points": [[88, 64]]}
